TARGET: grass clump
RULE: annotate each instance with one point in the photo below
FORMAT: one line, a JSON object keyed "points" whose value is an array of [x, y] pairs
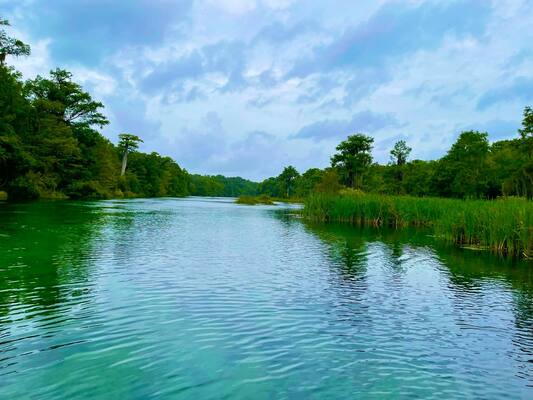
{"points": [[502, 226], [254, 200]]}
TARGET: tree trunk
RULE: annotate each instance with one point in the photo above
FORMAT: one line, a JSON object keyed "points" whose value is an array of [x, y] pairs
{"points": [[124, 162]]}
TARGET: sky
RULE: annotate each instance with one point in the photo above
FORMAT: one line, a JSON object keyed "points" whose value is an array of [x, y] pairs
{"points": [[246, 87]]}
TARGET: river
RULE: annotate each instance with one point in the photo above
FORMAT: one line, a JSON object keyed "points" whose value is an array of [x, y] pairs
{"points": [[205, 299]]}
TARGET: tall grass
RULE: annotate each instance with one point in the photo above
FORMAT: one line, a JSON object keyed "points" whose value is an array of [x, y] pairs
{"points": [[501, 226]]}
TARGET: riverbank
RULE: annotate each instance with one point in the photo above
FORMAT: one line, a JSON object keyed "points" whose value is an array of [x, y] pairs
{"points": [[501, 226]]}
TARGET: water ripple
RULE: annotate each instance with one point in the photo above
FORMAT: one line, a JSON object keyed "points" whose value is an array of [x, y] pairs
{"points": [[199, 298]]}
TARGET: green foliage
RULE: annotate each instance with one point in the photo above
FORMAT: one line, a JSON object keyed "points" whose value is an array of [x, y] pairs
{"points": [[329, 182], [503, 226], [308, 181], [10, 46], [527, 124], [128, 142], [221, 186], [287, 179], [353, 159], [400, 152], [64, 99]]}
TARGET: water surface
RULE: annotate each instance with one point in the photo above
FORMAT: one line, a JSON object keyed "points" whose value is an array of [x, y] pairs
{"points": [[204, 299]]}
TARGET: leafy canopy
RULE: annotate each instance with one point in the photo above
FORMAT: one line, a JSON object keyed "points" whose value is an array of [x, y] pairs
{"points": [[10, 46], [353, 158], [400, 152], [128, 142], [66, 99]]}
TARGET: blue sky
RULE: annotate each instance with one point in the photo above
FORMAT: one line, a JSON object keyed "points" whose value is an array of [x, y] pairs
{"points": [[245, 87]]}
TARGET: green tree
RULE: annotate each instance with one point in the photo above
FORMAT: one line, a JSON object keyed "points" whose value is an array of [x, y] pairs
{"points": [[462, 172], [329, 182], [127, 143], [62, 114], [66, 99], [418, 177], [270, 187], [400, 152], [10, 46], [353, 158], [287, 179], [308, 181], [15, 160], [527, 124], [526, 138], [506, 161]]}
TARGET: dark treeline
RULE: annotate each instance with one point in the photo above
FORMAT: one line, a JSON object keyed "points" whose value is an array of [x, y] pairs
{"points": [[50, 146]]}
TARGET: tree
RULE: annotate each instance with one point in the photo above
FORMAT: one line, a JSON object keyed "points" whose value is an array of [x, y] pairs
{"points": [[10, 46], [400, 152], [308, 181], [463, 171], [526, 134], [353, 159], [527, 124], [62, 137], [287, 179], [329, 183], [127, 144], [66, 99]]}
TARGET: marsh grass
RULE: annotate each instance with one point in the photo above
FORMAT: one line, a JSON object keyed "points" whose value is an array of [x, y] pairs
{"points": [[501, 226], [254, 200]]}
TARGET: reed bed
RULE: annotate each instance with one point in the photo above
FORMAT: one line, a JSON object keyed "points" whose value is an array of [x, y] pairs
{"points": [[501, 226]]}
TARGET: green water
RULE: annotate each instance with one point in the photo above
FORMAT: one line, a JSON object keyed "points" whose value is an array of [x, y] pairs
{"points": [[204, 299]]}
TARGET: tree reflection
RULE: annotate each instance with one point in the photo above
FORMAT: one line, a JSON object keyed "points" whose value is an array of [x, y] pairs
{"points": [[472, 277], [44, 253]]}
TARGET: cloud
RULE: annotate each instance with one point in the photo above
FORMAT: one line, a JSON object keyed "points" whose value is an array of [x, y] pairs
{"points": [[396, 30], [520, 89], [362, 122], [224, 58], [85, 31]]}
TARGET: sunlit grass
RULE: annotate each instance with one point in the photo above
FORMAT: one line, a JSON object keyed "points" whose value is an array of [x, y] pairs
{"points": [[501, 226]]}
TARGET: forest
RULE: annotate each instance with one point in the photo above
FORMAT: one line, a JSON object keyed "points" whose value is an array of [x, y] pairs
{"points": [[51, 147]]}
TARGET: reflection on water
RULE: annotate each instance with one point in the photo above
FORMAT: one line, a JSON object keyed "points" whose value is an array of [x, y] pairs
{"points": [[202, 298]]}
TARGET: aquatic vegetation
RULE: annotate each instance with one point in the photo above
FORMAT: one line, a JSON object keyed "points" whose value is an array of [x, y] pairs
{"points": [[502, 226]]}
